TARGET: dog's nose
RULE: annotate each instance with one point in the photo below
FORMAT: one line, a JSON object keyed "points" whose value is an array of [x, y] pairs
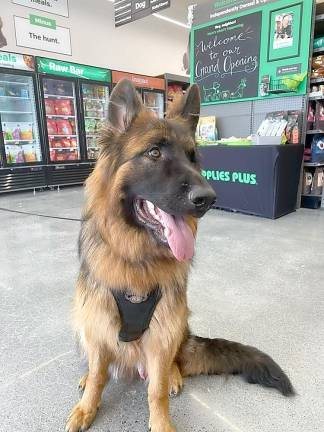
{"points": [[202, 197]]}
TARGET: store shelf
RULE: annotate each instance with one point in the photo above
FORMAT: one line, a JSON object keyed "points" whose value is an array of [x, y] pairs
{"points": [[318, 50], [59, 116], [46, 96], [97, 118], [313, 164], [317, 80], [13, 142], [64, 148], [311, 98], [15, 97], [14, 83], [95, 99], [66, 136], [315, 131], [312, 196], [16, 112]]}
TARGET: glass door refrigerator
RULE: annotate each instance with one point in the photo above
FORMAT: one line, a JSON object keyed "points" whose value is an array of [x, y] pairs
{"points": [[95, 99], [74, 99], [21, 150], [152, 90]]}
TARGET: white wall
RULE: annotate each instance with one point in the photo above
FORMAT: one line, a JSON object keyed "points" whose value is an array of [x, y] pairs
{"points": [[148, 46]]}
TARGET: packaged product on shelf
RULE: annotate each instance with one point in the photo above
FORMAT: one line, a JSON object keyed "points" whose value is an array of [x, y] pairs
{"points": [[307, 182], [90, 125], [51, 127], [16, 133], [318, 181], [65, 142], [30, 155], [7, 131], [88, 91], [73, 142], [20, 156], [319, 42], [53, 155], [26, 131], [13, 91], [59, 89], [50, 107], [100, 92], [206, 132], [63, 127], [293, 127], [63, 107], [311, 116], [93, 109], [317, 148], [319, 118]]}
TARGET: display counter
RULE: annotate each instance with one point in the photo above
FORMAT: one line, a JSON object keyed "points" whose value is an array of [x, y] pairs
{"points": [[259, 180]]}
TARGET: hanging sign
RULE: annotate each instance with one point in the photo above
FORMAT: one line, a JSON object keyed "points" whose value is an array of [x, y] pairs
{"points": [[17, 61], [58, 67], [57, 7], [127, 11], [42, 33]]}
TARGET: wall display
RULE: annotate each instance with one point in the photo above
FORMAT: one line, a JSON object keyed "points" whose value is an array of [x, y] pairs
{"points": [[57, 7], [251, 49], [139, 80], [61, 68], [3, 40], [43, 34], [227, 58], [284, 35], [127, 11]]}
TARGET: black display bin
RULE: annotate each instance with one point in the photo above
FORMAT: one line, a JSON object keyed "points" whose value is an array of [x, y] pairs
{"points": [[260, 180]]}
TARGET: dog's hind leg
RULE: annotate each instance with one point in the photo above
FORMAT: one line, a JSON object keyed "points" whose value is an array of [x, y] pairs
{"points": [[85, 411]]}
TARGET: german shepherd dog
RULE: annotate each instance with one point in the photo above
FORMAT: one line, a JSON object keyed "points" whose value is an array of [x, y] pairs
{"points": [[136, 245]]}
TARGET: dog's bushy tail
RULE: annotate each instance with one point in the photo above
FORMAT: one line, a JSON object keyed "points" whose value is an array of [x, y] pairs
{"points": [[199, 355]]}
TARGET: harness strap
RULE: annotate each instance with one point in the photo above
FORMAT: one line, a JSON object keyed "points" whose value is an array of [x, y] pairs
{"points": [[135, 313]]}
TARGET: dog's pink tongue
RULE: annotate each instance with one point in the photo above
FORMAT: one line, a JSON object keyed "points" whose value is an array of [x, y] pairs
{"points": [[178, 234]]}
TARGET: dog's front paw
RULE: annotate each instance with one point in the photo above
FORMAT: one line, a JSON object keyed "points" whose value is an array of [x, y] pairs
{"points": [[161, 427], [79, 420]]}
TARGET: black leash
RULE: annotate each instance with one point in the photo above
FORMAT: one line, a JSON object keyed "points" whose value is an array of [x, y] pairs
{"points": [[39, 215]]}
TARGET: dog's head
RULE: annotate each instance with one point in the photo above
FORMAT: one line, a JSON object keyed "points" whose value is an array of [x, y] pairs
{"points": [[149, 174]]}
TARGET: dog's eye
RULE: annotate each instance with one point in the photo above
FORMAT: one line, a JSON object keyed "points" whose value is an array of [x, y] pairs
{"points": [[154, 153], [192, 156]]}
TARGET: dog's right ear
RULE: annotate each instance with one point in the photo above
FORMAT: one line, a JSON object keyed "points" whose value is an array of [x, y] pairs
{"points": [[124, 105]]}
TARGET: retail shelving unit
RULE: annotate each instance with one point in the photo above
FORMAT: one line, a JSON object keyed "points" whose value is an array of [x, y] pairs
{"points": [[313, 200]]}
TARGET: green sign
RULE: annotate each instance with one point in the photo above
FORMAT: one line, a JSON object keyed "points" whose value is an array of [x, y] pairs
{"points": [[42, 21], [61, 68], [230, 176], [251, 50]]}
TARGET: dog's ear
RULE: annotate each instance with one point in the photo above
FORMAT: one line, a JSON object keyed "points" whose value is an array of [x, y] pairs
{"points": [[187, 106], [124, 105]]}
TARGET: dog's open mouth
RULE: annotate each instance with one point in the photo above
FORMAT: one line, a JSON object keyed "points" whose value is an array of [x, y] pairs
{"points": [[168, 229]]}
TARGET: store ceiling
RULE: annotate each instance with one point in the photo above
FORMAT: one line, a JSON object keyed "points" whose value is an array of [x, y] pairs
{"points": [[179, 9]]}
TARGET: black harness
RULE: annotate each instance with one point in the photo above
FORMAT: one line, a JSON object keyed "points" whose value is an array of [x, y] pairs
{"points": [[135, 313]]}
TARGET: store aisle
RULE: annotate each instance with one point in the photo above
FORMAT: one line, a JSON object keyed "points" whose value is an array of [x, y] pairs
{"points": [[255, 281]]}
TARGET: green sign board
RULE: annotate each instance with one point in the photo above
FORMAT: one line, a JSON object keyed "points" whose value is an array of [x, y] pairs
{"points": [[251, 50], [43, 22], [61, 68]]}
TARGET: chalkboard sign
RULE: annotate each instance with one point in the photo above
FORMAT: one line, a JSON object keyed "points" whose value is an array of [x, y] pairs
{"points": [[227, 59]]}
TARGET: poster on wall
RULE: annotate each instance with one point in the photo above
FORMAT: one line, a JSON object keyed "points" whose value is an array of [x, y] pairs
{"points": [[42, 34], [57, 7], [284, 35], [227, 59], [3, 40]]}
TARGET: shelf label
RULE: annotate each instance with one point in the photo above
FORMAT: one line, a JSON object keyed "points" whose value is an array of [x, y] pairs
{"points": [[57, 7], [42, 33], [17, 61], [58, 67]]}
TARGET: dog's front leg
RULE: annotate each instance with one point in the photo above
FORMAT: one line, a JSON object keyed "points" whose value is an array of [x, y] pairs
{"points": [[85, 411], [159, 366]]}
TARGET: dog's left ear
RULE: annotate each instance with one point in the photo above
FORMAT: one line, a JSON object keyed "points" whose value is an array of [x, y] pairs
{"points": [[187, 106], [124, 105]]}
